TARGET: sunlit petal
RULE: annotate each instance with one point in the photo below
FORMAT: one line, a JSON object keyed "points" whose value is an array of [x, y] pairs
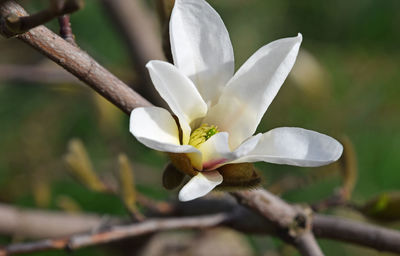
{"points": [[157, 129], [200, 185], [201, 46], [295, 146], [179, 92], [249, 93]]}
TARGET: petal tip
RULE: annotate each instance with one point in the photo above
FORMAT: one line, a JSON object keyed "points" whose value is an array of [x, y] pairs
{"points": [[299, 35], [339, 151], [200, 185], [299, 38], [151, 63]]}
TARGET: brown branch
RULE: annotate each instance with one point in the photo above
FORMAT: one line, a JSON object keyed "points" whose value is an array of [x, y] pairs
{"points": [[41, 224], [307, 245], [36, 224], [65, 29], [77, 62], [117, 233], [292, 223], [365, 234], [16, 24], [138, 30]]}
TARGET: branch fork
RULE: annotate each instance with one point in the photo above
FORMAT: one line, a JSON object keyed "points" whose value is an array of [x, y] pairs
{"points": [[16, 23]]}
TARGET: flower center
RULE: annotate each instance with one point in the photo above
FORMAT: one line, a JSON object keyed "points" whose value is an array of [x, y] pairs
{"points": [[202, 134]]}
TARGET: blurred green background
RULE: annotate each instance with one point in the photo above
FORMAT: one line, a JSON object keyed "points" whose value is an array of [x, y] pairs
{"points": [[345, 83]]}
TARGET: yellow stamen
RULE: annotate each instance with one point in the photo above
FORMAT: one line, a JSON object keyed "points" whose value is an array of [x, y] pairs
{"points": [[202, 134]]}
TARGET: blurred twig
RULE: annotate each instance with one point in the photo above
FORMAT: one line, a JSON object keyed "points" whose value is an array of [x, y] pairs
{"points": [[39, 224], [349, 171], [350, 231], [349, 168], [138, 29], [127, 187], [164, 8], [65, 29], [80, 166], [36, 73], [68, 204]]}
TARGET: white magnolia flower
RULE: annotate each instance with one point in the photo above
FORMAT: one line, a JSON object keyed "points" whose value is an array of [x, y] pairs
{"points": [[219, 111]]}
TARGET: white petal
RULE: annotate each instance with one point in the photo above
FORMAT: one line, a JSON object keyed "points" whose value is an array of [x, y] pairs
{"points": [[295, 146], [157, 129], [179, 92], [200, 185], [248, 94], [216, 152], [201, 46]]}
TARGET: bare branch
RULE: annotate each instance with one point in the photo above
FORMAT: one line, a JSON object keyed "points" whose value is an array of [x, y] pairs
{"points": [[292, 223], [42, 224], [307, 245], [16, 24], [138, 29], [116, 233], [77, 62], [38, 224], [365, 234]]}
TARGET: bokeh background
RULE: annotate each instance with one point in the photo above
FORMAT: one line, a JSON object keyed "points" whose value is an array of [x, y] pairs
{"points": [[344, 84]]}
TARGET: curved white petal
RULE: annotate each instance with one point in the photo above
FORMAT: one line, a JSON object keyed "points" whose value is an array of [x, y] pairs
{"points": [[179, 92], [295, 146], [157, 129], [216, 152], [248, 94], [201, 46], [200, 185]]}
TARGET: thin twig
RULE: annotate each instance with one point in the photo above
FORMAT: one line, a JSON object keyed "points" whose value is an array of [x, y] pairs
{"points": [[17, 24], [65, 29]]}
